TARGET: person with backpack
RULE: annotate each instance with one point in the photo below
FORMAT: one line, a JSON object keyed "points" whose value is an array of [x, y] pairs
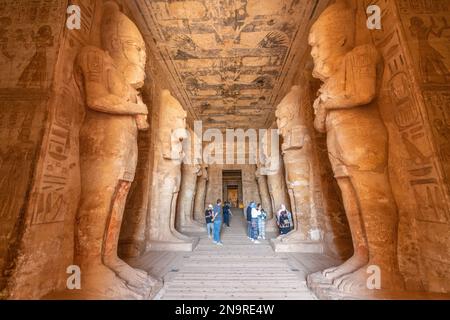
{"points": [[261, 222], [249, 220], [227, 213], [254, 223], [284, 220], [208, 220]]}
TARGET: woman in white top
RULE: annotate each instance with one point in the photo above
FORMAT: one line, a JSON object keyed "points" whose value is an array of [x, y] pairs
{"points": [[255, 214]]}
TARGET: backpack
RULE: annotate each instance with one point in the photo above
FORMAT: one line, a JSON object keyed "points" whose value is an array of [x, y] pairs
{"points": [[249, 213]]}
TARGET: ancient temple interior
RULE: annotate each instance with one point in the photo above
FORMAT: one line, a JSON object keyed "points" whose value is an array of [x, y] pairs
{"points": [[122, 121]]}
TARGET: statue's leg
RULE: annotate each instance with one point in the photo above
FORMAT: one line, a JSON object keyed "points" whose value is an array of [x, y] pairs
{"points": [[134, 277], [98, 279], [300, 214], [360, 255], [380, 221], [173, 212]]}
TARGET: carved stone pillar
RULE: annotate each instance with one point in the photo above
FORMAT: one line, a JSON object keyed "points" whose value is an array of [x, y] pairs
{"points": [[200, 195], [108, 156], [357, 139], [161, 234], [185, 209], [297, 157], [264, 194], [270, 164]]}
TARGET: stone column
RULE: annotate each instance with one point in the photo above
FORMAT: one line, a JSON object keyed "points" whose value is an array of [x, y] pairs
{"points": [[297, 157], [185, 207], [264, 193], [108, 156], [200, 195], [347, 109], [161, 234], [271, 165]]}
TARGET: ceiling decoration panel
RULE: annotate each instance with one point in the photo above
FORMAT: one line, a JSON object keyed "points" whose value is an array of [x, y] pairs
{"points": [[227, 59]]}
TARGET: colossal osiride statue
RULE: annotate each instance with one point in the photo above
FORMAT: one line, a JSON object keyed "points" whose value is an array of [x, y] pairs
{"points": [[264, 194], [347, 110], [270, 164], [161, 234], [108, 156], [191, 170], [297, 158], [200, 195]]}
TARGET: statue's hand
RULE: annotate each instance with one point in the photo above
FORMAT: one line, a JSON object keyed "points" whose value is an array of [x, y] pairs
{"points": [[321, 114], [141, 122]]}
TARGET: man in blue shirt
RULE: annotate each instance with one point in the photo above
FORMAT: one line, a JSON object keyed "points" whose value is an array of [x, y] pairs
{"points": [[217, 211]]}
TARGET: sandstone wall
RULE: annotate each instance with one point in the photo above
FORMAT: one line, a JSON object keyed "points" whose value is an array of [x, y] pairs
{"points": [[249, 184], [414, 100], [42, 111], [45, 108]]}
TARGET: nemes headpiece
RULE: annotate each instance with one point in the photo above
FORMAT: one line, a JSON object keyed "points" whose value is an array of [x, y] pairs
{"points": [[116, 25]]}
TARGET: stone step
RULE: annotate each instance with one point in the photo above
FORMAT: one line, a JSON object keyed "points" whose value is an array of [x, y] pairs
{"points": [[238, 270]]}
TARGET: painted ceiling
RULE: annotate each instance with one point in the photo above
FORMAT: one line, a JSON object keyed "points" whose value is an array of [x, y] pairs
{"points": [[227, 59]]}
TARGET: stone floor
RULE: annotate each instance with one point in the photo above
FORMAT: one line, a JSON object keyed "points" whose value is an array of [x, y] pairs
{"points": [[237, 270]]}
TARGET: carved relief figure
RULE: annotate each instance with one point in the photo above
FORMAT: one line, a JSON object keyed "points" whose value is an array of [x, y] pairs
{"points": [[108, 154], [431, 62], [161, 233], [296, 149], [357, 140], [35, 72]]}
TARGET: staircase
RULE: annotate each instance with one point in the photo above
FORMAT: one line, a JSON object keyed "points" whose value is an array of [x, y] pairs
{"points": [[235, 271]]}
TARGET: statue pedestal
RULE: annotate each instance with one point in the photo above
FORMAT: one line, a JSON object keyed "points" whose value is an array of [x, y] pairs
{"points": [[194, 227], [279, 245], [324, 290], [271, 226], [131, 248], [172, 246]]}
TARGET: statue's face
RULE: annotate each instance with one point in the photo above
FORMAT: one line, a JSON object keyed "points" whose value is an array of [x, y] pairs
{"points": [[322, 53], [179, 130], [282, 120], [135, 54]]}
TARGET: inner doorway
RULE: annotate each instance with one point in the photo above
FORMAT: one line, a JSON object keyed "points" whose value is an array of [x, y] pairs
{"points": [[232, 187]]}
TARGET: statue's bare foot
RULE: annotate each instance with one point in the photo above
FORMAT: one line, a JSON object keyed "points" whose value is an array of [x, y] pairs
{"points": [[134, 277], [181, 236], [100, 282], [293, 236], [354, 263], [356, 282]]}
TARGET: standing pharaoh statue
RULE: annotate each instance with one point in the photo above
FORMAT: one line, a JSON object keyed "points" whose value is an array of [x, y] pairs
{"points": [[296, 150], [200, 195], [357, 140], [271, 166], [161, 233], [263, 189], [191, 170], [108, 155]]}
